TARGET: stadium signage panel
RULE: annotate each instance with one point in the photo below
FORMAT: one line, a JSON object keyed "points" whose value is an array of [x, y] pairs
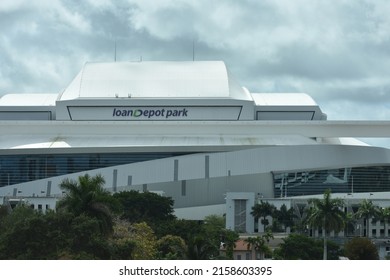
{"points": [[150, 113], [154, 113]]}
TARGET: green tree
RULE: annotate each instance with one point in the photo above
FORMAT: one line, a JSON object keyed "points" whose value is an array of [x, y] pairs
{"points": [[133, 241], [327, 214], [147, 207], [121, 241], [349, 225], [31, 235], [4, 211], [200, 246], [85, 240], [172, 247], [213, 224], [260, 244], [228, 241], [205, 240], [302, 247], [213, 228], [285, 216], [86, 196], [367, 210], [361, 248], [384, 214], [263, 210], [145, 241], [185, 229], [22, 235]]}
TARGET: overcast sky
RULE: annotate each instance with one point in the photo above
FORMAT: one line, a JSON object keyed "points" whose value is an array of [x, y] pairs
{"points": [[336, 51]]}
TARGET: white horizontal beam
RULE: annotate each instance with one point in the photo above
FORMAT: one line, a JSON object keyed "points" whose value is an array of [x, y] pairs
{"points": [[370, 129]]}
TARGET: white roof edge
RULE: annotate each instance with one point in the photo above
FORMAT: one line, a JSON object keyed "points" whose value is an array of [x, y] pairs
{"points": [[283, 99]]}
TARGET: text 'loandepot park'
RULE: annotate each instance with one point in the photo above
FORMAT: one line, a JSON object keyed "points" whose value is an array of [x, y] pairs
{"points": [[151, 113]]}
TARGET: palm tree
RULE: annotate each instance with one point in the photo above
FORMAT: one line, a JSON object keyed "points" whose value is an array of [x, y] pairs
{"points": [[286, 216], [262, 210], [350, 223], [384, 214], [326, 214], [88, 197], [367, 210], [259, 243]]}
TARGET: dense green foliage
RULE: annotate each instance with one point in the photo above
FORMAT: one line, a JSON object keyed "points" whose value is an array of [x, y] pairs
{"points": [[367, 210], [284, 218], [360, 248], [29, 234], [260, 244], [139, 207], [88, 197], [90, 223], [262, 210], [302, 247]]}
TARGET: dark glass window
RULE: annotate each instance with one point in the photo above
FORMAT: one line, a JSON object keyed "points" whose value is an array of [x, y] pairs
{"points": [[15, 169], [342, 180]]}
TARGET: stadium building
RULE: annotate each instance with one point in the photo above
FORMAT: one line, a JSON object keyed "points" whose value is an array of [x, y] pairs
{"points": [[186, 130]]}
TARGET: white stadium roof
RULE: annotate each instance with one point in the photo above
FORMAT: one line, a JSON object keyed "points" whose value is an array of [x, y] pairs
{"points": [[163, 79]]}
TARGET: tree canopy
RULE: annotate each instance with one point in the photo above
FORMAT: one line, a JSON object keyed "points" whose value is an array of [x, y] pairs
{"points": [[367, 210], [326, 213], [144, 206], [30, 234], [302, 247], [260, 244], [360, 248], [86, 196], [91, 223], [262, 210]]}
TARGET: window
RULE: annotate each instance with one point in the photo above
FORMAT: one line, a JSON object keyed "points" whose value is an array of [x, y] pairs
{"points": [[240, 215], [183, 188], [17, 169], [346, 180]]}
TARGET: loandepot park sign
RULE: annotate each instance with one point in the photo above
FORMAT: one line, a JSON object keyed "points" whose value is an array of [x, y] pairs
{"points": [[150, 113], [154, 113]]}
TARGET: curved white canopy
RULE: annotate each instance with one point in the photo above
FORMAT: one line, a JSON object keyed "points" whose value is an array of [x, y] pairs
{"points": [[161, 79]]}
